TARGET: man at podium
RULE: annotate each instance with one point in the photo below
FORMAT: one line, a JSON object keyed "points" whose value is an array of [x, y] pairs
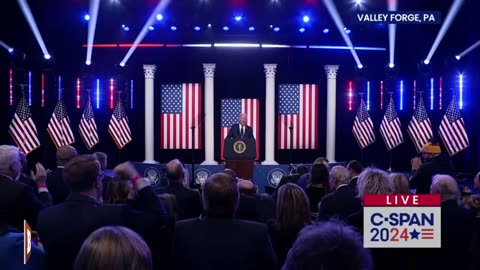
{"points": [[241, 130]]}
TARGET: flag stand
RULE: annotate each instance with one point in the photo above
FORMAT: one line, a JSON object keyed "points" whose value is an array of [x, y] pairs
{"points": [[290, 128], [193, 152], [390, 164]]}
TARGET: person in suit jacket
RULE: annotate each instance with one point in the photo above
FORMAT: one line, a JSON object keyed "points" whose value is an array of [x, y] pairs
{"points": [[18, 201], [247, 206], [56, 183], [188, 201], [64, 227], [102, 159], [343, 201], [218, 241], [241, 130], [354, 168]]}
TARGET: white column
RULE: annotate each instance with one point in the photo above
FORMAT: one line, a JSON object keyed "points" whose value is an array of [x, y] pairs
{"points": [[149, 72], [209, 71], [270, 70], [331, 71]]}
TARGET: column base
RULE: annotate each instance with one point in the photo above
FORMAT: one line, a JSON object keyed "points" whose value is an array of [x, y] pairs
{"points": [[209, 162], [151, 161], [269, 162]]}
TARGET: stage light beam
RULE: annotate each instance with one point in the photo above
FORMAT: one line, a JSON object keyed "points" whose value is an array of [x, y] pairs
{"points": [[467, 50], [306, 19], [33, 26], [392, 28], [92, 25]]}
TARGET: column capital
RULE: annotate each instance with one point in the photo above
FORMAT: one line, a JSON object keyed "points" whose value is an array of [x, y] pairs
{"points": [[149, 71], [331, 71], [208, 70], [270, 70]]}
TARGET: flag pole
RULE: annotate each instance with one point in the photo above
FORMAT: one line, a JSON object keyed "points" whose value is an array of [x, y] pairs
{"points": [[391, 150], [362, 151], [119, 152]]}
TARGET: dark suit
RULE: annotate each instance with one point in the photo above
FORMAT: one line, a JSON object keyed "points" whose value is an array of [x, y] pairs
{"points": [[353, 184], [105, 181], [422, 178], [64, 227], [18, 202], [189, 202], [235, 132], [247, 208], [213, 243], [57, 186], [340, 204]]}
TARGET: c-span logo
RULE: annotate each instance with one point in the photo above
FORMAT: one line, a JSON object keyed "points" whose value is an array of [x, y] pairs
{"points": [[274, 177], [201, 176], [153, 175], [402, 221], [27, 242]]}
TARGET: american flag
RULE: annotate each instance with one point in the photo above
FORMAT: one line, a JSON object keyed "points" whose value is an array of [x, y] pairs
{"points": [[118, 127], [23, 130], [390, 128], [181, 109], [427, 234], [452, 130], [363, 127], [231, 110], [59, 126], [88, 128], [298, 108], [420, 128]]}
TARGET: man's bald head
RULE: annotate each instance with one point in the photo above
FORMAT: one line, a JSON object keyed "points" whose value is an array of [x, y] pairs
{"points": [[247, 187], [174, 171], [65, 154], [446, 186]]}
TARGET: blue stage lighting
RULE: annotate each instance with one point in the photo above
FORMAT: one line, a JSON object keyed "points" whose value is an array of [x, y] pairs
{"points": [[457, 57], [431, 94], [197, 28], [238, 18], [460, 91], [426, 61], [97, 92], [358, 2], [306, 19], [10, 50], [348, 31], [225, 28], [125, 28], [173, 28], [47, 56], [301, 30], [326, 30], [87, 17], [276, 29], [159, 17], [151, 28], [391, 65], [360, 66], [401, 95], [209, 25], [251, 28], [368, 95], [88, 63]]}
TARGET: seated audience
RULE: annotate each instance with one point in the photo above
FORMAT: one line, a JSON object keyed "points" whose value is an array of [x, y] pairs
{"points": [[12, 251], [102, 159], [56, 183], [247, 206], [64, 227], [293, 213], [328, 246], [434, 163], [343, 201], [186, 179], [400, 183], [318, 186], [305, 179], [218, 240], [116, 248], [18, 201], [265, 206], [354, 168], [189, 202], [119, 191]]}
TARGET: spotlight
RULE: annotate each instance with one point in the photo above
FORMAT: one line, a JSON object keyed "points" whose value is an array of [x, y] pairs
{"points": [[360, 66], [209, 25], [225, 28], [10, 50], [173, 28], [276, 29], [197, 28], [348, 31], [301, 30], [87, 17], [125, 28], [271, 26], [151, 28], [122, 64], [426, 61], [457, 57], [359, 2], [391, 65], [159, 17], [47, 56], [88, 63], [251, 28], [238, 18], [306, 19], [326, 30]]}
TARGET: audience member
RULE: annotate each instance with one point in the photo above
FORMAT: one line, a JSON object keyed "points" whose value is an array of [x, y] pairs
{"points": [[186, 179], [116, 248], [400, 183], [102, 159], [355, 168], [119, 191], [218, 241], [434, 163], [18, 201], [318, 186], [12, 251], [305, 179], [23, 176], [63, 228], [56, 183], [189, 202], [328, 246], [293, 213], [343, 201], [247, 206]]}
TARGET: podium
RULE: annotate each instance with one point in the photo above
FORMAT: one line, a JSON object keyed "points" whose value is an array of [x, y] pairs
{"points": [[240, 155]]}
